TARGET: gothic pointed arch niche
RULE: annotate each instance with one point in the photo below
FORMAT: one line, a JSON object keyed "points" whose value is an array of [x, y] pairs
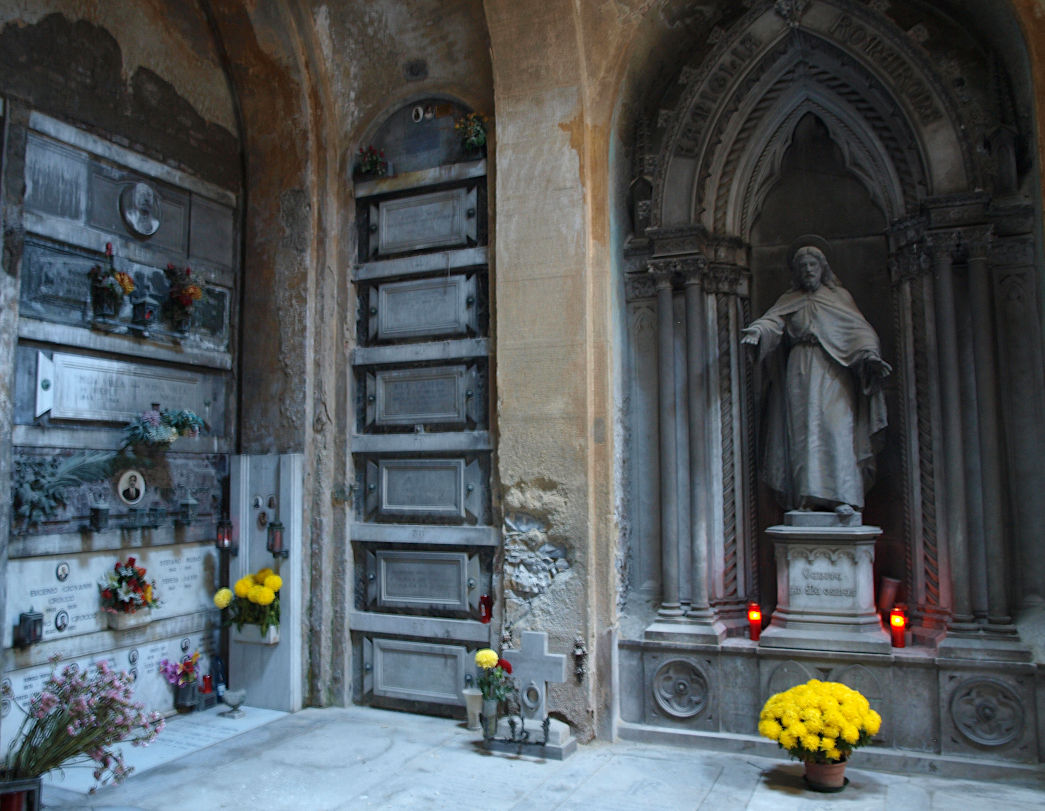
{"points": [[819, 117]]}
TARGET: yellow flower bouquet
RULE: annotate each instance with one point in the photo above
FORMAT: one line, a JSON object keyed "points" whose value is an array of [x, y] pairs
{"points": [[252, 600], [819, 721]]}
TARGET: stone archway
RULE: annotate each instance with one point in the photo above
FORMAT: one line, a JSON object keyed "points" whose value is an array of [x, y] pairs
{"points": [[907, 167]]}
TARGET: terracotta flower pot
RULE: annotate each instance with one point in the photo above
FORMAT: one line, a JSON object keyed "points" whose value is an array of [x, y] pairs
{"points": [[825, 776]]}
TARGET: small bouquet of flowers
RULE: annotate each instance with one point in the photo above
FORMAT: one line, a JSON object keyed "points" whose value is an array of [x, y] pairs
{"points": [[108, 286], [77, 717], [125, 589], [156, 428], [183, 294], [181, 673], [253, 600], [472, 129], [372, 161], [495, 675], [108, 278], [819, 722]]}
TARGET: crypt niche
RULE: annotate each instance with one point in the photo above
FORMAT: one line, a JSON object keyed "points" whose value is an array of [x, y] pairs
{"points": [[828, 119]]}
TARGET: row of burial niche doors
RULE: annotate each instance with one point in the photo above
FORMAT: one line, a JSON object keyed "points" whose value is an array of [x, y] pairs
{"points": [[422, 538]]}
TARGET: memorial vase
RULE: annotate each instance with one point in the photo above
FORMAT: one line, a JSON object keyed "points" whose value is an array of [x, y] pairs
{"points": [[186, 697], [252, 634], [123, 621], [104, 302], [827, 777], [489, 718]]}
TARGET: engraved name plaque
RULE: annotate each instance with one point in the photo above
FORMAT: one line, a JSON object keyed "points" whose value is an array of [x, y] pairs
{"points": [[415, 671], [423, 488], [423, 308], [442, 394], [76, 387], [55, 179], [438, 219], [429, 580]]}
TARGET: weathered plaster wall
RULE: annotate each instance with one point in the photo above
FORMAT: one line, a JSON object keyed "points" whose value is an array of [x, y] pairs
{"points": [[146, 73]]}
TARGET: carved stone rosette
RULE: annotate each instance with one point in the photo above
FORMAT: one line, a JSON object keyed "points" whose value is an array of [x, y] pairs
{"points": [[680, 689], [987, 712]]}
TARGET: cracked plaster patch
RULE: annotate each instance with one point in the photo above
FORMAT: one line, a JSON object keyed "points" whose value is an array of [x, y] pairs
{"points": [[533, 555]]}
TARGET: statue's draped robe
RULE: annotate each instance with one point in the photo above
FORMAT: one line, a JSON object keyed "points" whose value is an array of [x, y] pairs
{"points": [[822, 422]]}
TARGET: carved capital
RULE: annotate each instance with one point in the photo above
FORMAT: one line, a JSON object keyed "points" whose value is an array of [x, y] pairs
{"points": [[723, 279], [976, 241], [910, 262], [667, 271], [639, 286]]}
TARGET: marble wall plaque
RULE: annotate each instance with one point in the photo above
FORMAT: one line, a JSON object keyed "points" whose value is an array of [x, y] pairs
{"points": [[430, 580], [423, 488], [417, 671], [87, 388], [141, 661], [212, 233], [55, 179], [433, 220], [437, 394], [423, 308], [65, 588]]}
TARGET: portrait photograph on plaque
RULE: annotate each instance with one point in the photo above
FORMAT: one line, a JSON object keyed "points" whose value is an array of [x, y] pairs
{"points": [[131, 487]]}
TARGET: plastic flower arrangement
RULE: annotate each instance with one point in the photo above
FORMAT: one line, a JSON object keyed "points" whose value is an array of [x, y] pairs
{"points": [[125, 589], [819, 722], [472, 129], [185, 291], [181, 673], [157, 428], [495, 675], [110, 280], [75, 719], [372, 161], [252, 600]]}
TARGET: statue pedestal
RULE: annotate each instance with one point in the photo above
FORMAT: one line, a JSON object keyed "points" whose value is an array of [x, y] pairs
{"points": [[825, 585]]}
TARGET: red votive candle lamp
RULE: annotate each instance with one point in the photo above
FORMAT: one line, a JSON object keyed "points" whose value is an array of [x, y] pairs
{"points": [[485, 608], [754, 618], [898, 627], [208, 684]]}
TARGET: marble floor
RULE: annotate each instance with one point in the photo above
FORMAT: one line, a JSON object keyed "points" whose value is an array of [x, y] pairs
{"points": [[362, 758]]}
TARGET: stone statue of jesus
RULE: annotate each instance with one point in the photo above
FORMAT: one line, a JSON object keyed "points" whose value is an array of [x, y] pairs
{"points": [[826, 410]]}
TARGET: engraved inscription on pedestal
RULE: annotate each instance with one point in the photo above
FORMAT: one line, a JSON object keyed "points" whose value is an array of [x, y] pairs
{"points": [[430, 580], [77, 387], [442, 394], [823, 581], [423, 308], [437, 219], [415, 671], [423, 488]]}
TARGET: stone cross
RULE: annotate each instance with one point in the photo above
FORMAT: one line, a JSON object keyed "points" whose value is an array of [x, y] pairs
{"points": [[532, 667]]}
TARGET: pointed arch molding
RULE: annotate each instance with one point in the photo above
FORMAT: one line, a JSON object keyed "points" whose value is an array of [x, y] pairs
{"points": [[722, 142]]}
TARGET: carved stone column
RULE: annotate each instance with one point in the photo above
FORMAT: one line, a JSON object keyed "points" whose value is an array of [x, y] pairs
{"points": [[942, 244], [699, 481], [982, 307], [670, 606]]}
